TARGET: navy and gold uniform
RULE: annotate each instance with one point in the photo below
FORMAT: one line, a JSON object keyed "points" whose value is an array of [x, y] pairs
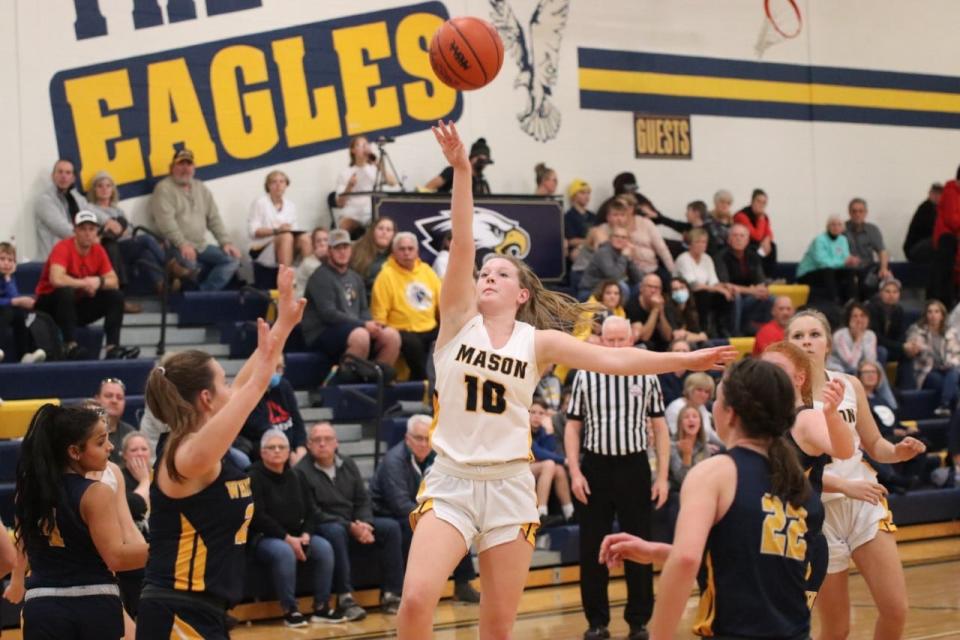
{"points": [[195, 569], [817, 551], [70, 592], [755, 560]]}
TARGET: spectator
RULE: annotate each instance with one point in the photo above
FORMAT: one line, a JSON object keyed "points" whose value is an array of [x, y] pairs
{"points": [[683, 310], [479, 160], [886, 321], [57, 207], [609, 295], [15, 307], [112, 398], [625, 184], [337, 319], [78, 286], [935, 350], [651, 318], [578, 220], [697, 392], [696, 215], [277, 410], [543, 445], [711, 297], [546, 180], [183, 210], [137, 471], [128, 253], [690, 445], [946, 229], [443, 256], [361, 176], [648, 244], [855, 343], [394, 487], [611, 261], [754, 217], [671, 384], [340, 494], [872, 262], [614, 479], [406, 297], [918, 245], [741, 269], [719, 221], [773, 331], [272, 223], [825, 266], [320, 240], [284, 519], [373, 249]]}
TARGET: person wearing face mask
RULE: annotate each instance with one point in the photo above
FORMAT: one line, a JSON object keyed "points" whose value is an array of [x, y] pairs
{"points": [[277, 409], [684, 311], [826, 265]]}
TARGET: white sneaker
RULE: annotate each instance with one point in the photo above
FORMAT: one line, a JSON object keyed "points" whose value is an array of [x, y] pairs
{"points": [[37, 356]]}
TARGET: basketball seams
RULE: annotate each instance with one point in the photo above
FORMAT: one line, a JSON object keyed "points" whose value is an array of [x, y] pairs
{"points": [[452, 67], [477, 58], [497, 45]]}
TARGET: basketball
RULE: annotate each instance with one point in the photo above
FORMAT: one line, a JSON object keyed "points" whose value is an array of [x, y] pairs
{"points": [[466, 53]]}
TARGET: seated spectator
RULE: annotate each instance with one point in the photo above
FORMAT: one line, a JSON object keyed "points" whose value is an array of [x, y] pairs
{"points": [[479, 160], [14, 309], [443, 256], [355, 212], [719, 221], [277, 410], [578, 220], [394, 487], [129, 254], [284, 519], [112, 398], [548, 466], [697, 392], [649, 315], [683, 310], [825, 266], [607, 294], [918, 245], [710, 295], [78, 286], [57, 207], [372, 250], [741, 269], [406, 298], [137, 472], [546, 180], [613, 213], [886, 321], [671, 384], [611, 261], [320, 240], [275, 234], [754, 217], [689, 445], [854, 343], [346, 520], [625, 184], [337, 319], [696, 215], [183, 211], [648, 244], [871, 261], [773, 331], [945, 268], [935, 350]]}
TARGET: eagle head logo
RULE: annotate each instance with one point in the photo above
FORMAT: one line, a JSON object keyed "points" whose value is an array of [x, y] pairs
{"points": [[492, 232]]}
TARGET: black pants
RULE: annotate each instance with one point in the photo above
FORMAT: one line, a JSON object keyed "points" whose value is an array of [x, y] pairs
{"points": [[80, 618], [619, 487], [16, 319], [835, 285], [415, 348], [714, 311], [921, 252], [69, 311], [941, 285]]}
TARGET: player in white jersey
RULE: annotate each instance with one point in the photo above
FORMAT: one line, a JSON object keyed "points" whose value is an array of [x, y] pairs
{"points": [[857, 524], [497, 333]]}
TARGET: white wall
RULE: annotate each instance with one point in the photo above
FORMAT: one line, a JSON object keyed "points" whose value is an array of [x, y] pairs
{"points": [[809, 169]]}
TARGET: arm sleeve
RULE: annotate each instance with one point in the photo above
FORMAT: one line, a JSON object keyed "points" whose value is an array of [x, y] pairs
{"points": [[655, 408], [869, 346], [378, 299], [10, 292], [720, 267], [708, 266], [660, 247], [362, 506], [394, 493], [670, 223], [678, 471], [605, 259], [576, 408], [948, 209], [686, 269], [364, 304], [342, 178], [256, 220], [824, 254], [262, 521], [50, 214], [322, 293], [634, 275], [309, 508], [104, 265], [163, 210]]}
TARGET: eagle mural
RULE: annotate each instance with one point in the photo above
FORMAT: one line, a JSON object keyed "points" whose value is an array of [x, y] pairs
{"points": [[536, 50], [491, 231]]}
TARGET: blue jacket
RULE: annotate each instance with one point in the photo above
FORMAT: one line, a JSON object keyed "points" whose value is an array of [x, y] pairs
{"points": [[544, 446], [394, 485], [8, 291]]}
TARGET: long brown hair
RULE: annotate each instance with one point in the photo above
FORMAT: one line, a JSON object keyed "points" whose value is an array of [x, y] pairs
{"points": [[171, 394], [365, 249], [801, 362]]}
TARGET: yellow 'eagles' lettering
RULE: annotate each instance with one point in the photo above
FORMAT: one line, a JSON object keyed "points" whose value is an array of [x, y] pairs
{"points": [[784, 529]]}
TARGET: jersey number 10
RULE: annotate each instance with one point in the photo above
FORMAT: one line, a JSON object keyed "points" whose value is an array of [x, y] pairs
{"points": [[492, 395]]}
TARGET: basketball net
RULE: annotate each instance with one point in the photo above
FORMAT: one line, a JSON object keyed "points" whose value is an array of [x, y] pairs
{"points": [[781, 21]]}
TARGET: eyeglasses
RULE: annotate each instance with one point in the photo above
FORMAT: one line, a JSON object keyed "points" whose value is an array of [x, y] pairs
{"points": [[275, 447], [420, 439], [321, 439], [113, 381]]}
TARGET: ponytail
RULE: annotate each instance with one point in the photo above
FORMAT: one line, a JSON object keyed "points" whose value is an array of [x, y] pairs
{"points": [[171, 394], [786, 475]]}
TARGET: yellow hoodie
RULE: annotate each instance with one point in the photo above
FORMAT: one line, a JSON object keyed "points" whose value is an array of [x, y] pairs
{"points": [[404, 299]]}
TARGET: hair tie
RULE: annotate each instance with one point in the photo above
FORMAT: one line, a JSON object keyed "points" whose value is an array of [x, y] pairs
{"points": [[162, 371]]}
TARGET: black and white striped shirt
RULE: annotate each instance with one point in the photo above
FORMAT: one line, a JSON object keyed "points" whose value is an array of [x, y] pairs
{"points": [[614, 411]]}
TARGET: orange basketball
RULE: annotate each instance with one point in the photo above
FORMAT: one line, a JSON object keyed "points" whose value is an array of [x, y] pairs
{"points": [[466, 53]]}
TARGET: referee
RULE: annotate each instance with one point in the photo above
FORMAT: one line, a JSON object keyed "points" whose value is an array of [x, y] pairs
{"points": [[609, 415]]}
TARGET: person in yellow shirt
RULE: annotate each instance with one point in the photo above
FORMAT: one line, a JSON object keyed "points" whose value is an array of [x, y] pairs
{"points": [[405, 296]]}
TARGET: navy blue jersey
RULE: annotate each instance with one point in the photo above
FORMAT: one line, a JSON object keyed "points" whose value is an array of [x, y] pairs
{"points": [[756, 560], [197, 543], [68, 557]]}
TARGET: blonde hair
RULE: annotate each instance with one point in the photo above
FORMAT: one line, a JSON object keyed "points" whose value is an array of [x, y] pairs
{"points": [[697, 233], [271, 176], [819, 317], [698, 380], [100, 177], [701, 433]]}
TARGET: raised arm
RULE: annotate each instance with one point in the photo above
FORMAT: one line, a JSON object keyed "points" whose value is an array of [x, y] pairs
{"points": [[458, 292], [870, 439], [819, 432]]}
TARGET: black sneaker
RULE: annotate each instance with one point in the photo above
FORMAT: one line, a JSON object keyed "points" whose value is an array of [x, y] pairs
{"points": [[463, 592], [294, 619], [389, 603], [596, 633], [76, 352], [551, 520], [638, 633], [348, 609], [327, 615]]}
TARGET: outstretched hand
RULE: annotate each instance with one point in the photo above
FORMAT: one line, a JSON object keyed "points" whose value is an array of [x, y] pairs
{"points": [[618, 547], [268, 347], [713, 358], [451, 145], [289, 307]]}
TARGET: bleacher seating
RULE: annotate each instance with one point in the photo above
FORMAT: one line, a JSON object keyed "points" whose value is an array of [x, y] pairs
{"points": [[70, 379], [196, 308]]}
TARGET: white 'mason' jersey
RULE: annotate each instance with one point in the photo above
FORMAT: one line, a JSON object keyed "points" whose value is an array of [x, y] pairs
{"points": [[852, 468], [483, 396]]}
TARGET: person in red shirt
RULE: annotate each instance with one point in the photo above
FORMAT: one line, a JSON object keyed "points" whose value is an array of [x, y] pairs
{"points": [[773, 331], [754, 217], [78, 286], [947, 224]]}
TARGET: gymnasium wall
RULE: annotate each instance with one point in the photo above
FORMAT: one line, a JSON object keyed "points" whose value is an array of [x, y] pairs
{"points": [[863, 102]]}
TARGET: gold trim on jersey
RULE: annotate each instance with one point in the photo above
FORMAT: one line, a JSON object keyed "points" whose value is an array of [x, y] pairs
{"points": [[708, 603], [180, 630], [529, 532], [886, 524], [191, 563], [422, 508]]}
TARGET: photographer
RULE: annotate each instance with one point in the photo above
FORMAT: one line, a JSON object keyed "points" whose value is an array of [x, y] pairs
{"points": [[479, 159]]}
